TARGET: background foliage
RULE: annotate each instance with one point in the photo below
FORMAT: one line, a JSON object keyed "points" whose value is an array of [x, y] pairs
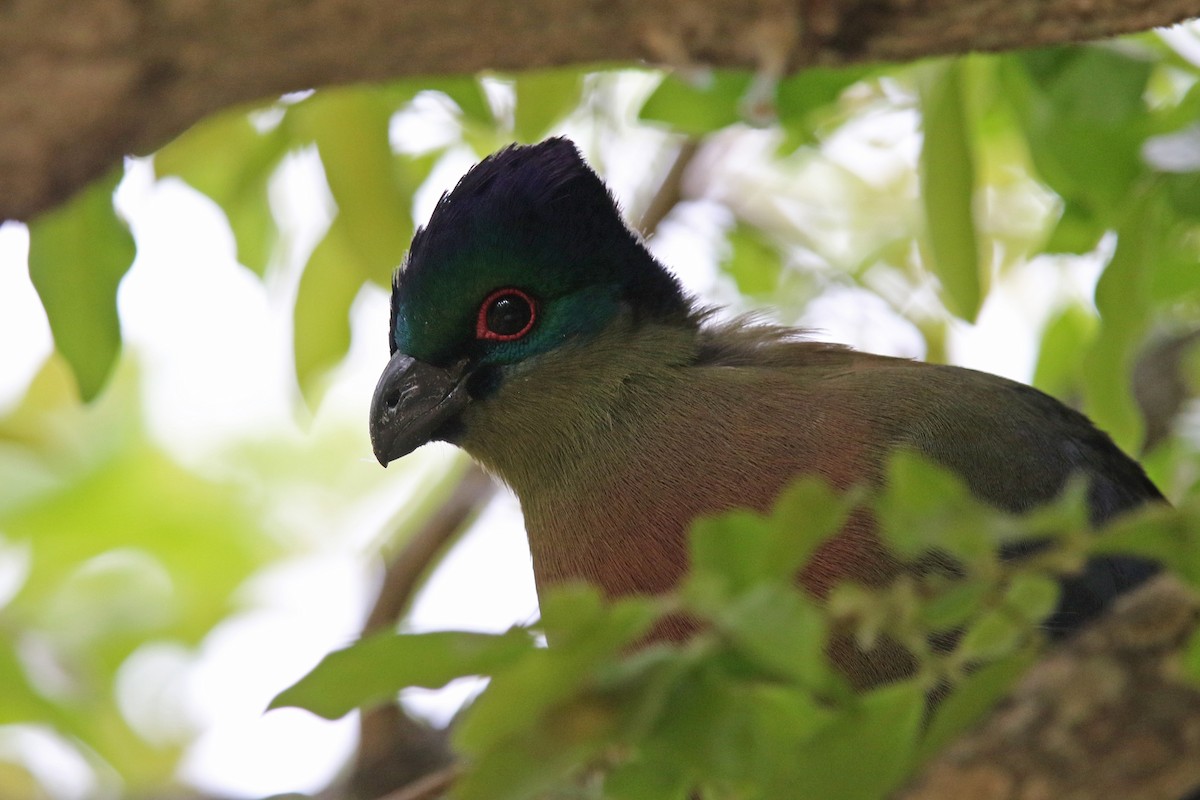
{"points": [[929, 189]]}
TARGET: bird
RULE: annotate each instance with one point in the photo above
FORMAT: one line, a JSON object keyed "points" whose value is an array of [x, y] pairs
{"points": [[532, 328]]}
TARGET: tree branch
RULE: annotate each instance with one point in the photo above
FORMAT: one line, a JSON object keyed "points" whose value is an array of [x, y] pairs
{"points": [[1109, 714], [394, 749], [670, 191], [83, 84]]}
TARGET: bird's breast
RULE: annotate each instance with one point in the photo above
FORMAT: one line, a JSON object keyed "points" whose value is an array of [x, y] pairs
{"points": [[622, 523]]}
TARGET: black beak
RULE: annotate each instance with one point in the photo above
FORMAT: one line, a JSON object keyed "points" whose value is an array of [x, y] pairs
{"points": [[412, 401]]}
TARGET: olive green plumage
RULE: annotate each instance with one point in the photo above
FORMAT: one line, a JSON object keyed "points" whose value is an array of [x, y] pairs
{"points": [[533, 329]]}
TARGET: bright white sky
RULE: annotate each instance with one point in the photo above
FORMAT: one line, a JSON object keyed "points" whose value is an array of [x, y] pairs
{"points": [[195, 318]]}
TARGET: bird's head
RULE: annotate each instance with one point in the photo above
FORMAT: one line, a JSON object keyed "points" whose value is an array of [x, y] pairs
{"points": [[526, 254]]}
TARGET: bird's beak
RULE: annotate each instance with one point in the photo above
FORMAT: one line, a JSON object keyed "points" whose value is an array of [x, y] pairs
{"points": [[412, 401]]}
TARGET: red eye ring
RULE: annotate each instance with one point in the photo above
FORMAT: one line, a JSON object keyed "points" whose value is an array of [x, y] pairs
{"points": [[486, 322]]}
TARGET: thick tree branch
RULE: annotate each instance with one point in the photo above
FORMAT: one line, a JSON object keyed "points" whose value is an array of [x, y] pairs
{"points": [[1109, 714], [82, 84]]}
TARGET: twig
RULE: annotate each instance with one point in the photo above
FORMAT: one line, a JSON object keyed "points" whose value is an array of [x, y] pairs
{"points": [[405, 571], [431, 786], [670, 192], [394, 749]]}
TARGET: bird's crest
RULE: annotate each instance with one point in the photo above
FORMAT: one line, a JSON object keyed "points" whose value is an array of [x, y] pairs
{"points": [[534, 217]]}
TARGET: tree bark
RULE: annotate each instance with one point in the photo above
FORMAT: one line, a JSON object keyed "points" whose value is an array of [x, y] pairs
{"points": [[1112, 713], [84, 83]]}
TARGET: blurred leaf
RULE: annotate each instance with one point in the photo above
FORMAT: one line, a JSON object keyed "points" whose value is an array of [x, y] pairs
{"points": [[330, 282], [698, 107], [138, 501], [886, 724], [739, 549], [1122, 298], [543, 98], [1060, 370], [813, 88], [951, 608], [1076, 231], [1084, 116], [584, 632], [971, 698], [544, 716], [753, 262], [229, 159], [350, 128], [78, 254], [1191, 658], [367, 239], [783, 632], [1157, 532], [468, 94], [730, 550], [22, 702], [1184, 194], [1033, 596], [646, 781], [926, 507], [996, 634], [378, 667], [127, 549], [806, 514], [1175, 276], [948, 190]]}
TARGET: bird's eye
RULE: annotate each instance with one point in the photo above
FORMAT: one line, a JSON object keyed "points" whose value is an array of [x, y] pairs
{"points": [[506, 315]]}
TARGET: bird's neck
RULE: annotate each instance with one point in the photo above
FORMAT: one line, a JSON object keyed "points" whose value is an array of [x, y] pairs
{"points": [[561, 419], [576, 435]]}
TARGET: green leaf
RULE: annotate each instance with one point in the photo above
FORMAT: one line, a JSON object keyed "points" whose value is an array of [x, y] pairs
{"points": [[1158, 532], [350, 129], [639, 780], [1033, 596], [78, 254], [948, 189], [753, 261], [971, 698], [925, 507], [231, 161], [740, 549], [547, 714], [730, 550], [952, 607], [583, 632], [1191, 658], [467, 93], [806, 514], [783, 632], [994, 635], [1076, 231], [1175, 276], [134, 509], [1084, 115], [885, 724], [1122, 298], [1060, 370], [374, 669], [698, 107], [751, 743], [331, 280], [814, 88], [543, 98]]}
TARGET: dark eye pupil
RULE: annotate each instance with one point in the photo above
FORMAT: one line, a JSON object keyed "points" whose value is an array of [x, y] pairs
{"points": [[508, 315]]}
